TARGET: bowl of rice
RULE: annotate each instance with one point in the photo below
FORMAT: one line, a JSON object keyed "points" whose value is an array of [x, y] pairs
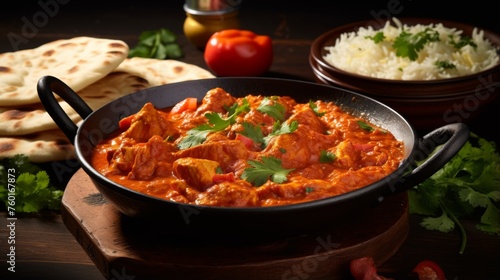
{"points": [[431, 71]]}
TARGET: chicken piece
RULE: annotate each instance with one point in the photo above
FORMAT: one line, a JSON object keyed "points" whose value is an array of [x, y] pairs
{"points": [[215, 101], [198, 173], [226, 153], [122, 160], [305, 116], [148, 122], [347, 155], [152, 159], [229, 194], [298, 149]]}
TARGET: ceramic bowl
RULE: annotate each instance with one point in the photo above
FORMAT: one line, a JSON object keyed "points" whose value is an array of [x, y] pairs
{"points": [[426, 104]]}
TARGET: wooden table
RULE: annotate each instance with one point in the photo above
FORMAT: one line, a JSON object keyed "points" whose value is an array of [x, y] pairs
{"points": [[45, 249]]}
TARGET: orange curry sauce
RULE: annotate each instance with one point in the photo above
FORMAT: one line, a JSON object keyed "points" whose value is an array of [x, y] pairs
{"points": [[328, 153]]}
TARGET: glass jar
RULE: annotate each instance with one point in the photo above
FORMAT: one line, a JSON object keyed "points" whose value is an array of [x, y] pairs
{"points": [[202, 22]]}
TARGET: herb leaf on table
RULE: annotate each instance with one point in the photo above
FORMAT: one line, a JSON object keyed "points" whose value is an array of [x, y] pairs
{"points": [[468, 185], [159, 44]]}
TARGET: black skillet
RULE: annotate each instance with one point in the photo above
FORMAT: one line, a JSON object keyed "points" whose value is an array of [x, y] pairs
{"points": [[277, 221]]}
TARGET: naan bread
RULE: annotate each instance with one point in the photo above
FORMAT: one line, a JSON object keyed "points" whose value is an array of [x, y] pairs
{"points": [[50, 145], [160, 72], [97, 69], [78, 62], [27, 119]]}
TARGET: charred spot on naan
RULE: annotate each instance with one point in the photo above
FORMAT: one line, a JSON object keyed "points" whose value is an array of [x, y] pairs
{"points": [[49, 53], [5, 69], [5, 147]]}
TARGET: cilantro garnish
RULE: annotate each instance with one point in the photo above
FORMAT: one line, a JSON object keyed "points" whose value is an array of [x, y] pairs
{"points": [[363, 125], [236, 109], [160, 44], [271, 108], [265, 169], [199, 134], [379, 37], [216, 123], [280, 129], [469, 183], [445, 64], [462, 42], [326, 156], [253, 132], [315, 109], [408, 44], [32, 188]]}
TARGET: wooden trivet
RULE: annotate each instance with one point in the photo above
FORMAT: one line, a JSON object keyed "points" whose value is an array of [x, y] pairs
{"points": [[124, 248]]}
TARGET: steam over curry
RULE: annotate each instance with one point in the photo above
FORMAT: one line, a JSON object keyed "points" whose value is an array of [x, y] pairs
{"points": [[249, 151]]}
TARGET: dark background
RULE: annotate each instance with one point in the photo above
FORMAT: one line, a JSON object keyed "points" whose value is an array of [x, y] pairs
{"points": [[279, 19]]}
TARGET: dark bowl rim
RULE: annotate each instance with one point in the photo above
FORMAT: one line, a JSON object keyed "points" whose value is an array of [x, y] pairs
{"points": [[328, 79], [318, 45]]}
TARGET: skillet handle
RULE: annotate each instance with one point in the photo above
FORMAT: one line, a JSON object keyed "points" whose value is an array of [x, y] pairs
{"points": [[449, 138], [46, 87]]}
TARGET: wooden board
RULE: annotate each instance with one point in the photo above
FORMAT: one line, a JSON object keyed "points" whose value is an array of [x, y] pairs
{"points": [[124, 248]]}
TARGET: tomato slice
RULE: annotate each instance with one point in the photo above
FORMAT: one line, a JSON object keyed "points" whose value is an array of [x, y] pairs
{"points": [[359, 267], [226, 177], [429, 270], [249, 143], [125, 123], [364, 269], [188, 104]]}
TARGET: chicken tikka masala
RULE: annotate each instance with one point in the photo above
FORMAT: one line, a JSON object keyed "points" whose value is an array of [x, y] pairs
{"points": [[247, 151]]}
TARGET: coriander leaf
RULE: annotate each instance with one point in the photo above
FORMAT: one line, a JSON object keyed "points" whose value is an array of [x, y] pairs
{"points": [[166, 36], [326, 156], [33, 193], [261, 171], [236, 109], [315, 109], [442, 223], [253, 132], [468, 184], [462, 42], [199, 134], [280, 129], [159, 44], [274, 109], [445, 64], [408, 44], [363, 125], [491, 217], [495, 196], [379, 37], [476, 199]]}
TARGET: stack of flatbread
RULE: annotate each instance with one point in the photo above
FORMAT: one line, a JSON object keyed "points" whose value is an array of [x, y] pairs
{"points": [[97, 69]]}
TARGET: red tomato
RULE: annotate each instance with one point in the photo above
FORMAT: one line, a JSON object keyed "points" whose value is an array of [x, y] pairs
{"points": [[249, 143], [365, 269], [429, 270], [235, 52], [189, 103], [124, 123], [226, 177]]}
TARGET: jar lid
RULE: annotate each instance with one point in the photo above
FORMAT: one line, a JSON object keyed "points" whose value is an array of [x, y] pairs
{"points": [[211, 7]]}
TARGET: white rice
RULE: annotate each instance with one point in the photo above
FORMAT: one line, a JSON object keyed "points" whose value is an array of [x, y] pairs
{"points": [[354, 52]]}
